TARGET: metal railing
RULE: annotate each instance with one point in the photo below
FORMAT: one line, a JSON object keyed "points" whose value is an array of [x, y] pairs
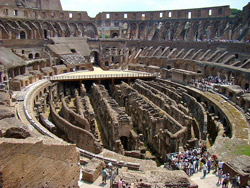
{"points": [[174, 185], [101, 76]]}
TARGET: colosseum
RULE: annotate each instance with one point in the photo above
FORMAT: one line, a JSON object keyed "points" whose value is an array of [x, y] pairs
{"points": [[131, 89]]}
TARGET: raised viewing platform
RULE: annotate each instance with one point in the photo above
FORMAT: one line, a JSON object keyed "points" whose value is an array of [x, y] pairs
{"points": [[98, 73]]}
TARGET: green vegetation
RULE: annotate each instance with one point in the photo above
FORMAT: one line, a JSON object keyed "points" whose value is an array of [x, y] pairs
{"points": [[242, 150], [235, 12]]}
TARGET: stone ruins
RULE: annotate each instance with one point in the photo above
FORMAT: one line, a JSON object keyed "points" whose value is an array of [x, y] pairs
{"points": [[125, 88]]}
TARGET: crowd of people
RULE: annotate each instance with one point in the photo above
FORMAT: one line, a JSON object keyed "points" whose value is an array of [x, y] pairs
{"points": [[209, 83], [197, 160]]}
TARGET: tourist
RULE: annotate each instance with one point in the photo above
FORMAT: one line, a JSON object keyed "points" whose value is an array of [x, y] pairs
{"points": [[234, 182], [225, 181], [204, 166], [238, 181], [104, 175], [120, 183], [200, 164], [208, 165], [220, 165], [220, 174], [110, 168], [215, 166], [126, 186], [191, 167]]}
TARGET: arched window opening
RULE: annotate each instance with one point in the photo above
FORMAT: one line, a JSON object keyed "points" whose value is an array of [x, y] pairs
{"points": [[30, 56], [124, 141], [37, 56], [22, 35]]}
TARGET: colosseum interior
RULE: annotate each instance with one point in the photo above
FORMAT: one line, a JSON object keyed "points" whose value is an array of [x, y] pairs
{"points": [[123, 87]]}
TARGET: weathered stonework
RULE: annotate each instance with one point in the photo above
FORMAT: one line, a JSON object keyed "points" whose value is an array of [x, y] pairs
{"points": [[92, 170], [38, 162], [115, 123]]}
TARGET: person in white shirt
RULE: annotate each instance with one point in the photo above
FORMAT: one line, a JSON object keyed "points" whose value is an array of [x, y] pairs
{"points": [[204, 166]]}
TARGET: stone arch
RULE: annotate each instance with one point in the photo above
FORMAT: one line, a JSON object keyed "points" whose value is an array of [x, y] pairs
{"points": [[230, 76], [207, 71], [174, 29], [222, 74], [205, 32], [195, 31], [22, 35], [4, 34], [211, 109], [215, 29], [115, 35], [167, 33], [124, 141], [30, 56], [177, 65], [34, 29], [214, 71], [185, 65], [37, 56], [81, 27], [65, 29], [90, 30], [95, 57], [227, 128], [192, 66], [141, 31], [73, 29], [46, 30], [133, 31]]}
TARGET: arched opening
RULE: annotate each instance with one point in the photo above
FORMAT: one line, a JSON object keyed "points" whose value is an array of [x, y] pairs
{"points": [[214, 71], [115, 35], [211, 110], [169, 67], [94, 58], [45, 32], [206, 104], [37, 56], [124, 141], [22, 35], [222, 74], [227, 128], [30, 56], [198, 99]]}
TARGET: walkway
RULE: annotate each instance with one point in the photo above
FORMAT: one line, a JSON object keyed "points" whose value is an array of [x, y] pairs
{"points": [[98, 73], [209, 182]]}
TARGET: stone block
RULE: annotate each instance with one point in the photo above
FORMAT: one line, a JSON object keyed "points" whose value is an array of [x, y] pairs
{"points": [[92, 170], [34, 162]]}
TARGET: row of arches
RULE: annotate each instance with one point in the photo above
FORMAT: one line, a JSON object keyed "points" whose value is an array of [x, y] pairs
{"points": [[191, 30], [17, 29]]}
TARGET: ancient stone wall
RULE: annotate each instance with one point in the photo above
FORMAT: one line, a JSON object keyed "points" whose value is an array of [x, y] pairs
{"points": [[35, 162], [72, 117], [220, 110], [162, 101], [114, 122], [198, 112], [155, 124], [88, 112], [208, 62], [82, 138], [221, 11]]}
